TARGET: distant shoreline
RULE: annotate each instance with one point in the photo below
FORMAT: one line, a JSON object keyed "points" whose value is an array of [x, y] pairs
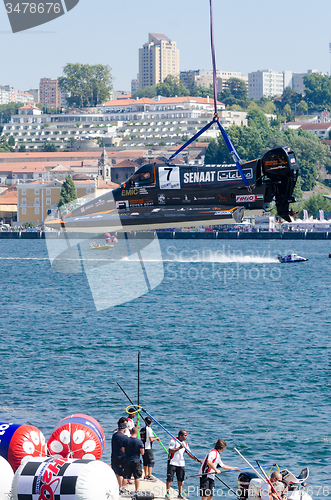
{"points": [[174, 235]]}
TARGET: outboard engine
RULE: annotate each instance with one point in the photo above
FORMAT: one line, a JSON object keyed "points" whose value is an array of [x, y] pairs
{"points": [[280, 166], [249, 485], [296, 485]]}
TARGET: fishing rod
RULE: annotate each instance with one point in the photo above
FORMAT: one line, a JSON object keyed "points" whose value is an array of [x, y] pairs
{"points": [[173, 437], [264, 477], [232, 470], [234, 492], [137, 409], [138, 391]]}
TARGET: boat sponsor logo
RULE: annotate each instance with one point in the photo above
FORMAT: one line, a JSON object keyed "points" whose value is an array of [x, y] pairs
{"points": [[130, 192], [249, 197], [99, 203], [161, 199], [140, 203], [143, 191], [211, 176], [122, 205]]}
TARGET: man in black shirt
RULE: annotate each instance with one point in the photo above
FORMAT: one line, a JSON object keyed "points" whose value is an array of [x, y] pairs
{"points": [[118, 443], [134, 447]]}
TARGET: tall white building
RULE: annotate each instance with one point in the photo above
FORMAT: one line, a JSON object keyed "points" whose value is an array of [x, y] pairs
{"points": [[158, 58], [265, 83]]}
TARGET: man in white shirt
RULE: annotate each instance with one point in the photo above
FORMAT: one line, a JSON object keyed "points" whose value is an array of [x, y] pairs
{"points": [[267, 492], [176, 462], [209, 469]]}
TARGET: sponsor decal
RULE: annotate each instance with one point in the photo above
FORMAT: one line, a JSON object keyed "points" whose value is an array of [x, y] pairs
{"points": [[249, 197], [221, 198], [48, 481], [211, 176], [186, 200], [161, 199], [130, 192], [141, 203], [122, 205], [143, 191], [169, 177]]}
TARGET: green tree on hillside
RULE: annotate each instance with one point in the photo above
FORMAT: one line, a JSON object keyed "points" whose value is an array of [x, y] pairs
{"points": [[7, 110], [235, 93], [315, 203], [318, 91], [68, 192], [256, 118], [170, 87], [88, 85]]}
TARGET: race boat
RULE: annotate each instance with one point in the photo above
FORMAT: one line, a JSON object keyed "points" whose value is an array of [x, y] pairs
{"points": [[97, 246], [249, 485], [292, 257], [168, 195], [106, 246]]}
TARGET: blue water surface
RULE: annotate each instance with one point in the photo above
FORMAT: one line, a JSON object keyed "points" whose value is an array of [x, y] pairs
{"points": [[233, 345]]}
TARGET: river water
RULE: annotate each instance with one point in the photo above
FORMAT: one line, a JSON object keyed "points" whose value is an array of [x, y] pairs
{"points": [[233, 345]]}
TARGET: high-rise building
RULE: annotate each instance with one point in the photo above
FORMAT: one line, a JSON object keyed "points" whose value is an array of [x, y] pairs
{"points": [[50, 93], [158, 58]]}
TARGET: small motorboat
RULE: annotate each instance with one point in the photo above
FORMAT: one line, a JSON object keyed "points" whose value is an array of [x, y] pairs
{"points": [[249, 485], [292, 257], [98, 246]]}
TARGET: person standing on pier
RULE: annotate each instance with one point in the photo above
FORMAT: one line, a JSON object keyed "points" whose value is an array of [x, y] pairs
{"points": [[209, 469], [176, 462], [134, 447]]}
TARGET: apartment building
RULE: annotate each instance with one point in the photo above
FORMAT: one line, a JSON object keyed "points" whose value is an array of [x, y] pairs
{"points": [[9, 94], [36, 199], [204, 78], [265, 83], [295, 80], [158, 58], [49, 92]]}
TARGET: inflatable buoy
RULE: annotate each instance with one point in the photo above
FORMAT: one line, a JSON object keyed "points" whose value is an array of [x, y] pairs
{"points": [[77, 436], [18, 441], [63, 479], [6, 475]]}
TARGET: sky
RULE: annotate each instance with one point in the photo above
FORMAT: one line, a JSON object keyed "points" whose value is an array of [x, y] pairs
{"points": [[249, 35]]}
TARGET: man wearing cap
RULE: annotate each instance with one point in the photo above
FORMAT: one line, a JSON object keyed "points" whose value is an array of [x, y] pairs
{"points": [[118, 442], [131, 412]]}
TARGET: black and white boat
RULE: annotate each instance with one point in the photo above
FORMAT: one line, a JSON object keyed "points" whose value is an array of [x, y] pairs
{"points": [[249, 485], [292, 257]]}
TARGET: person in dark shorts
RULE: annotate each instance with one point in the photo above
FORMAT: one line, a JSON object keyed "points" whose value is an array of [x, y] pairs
{"points": [[148, 458], [118, 442], [134, 447], [209, 468], [176, 462]]}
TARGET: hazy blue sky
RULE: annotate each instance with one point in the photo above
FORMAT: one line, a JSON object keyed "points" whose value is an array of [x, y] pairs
{"points": [[249, 35]]}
